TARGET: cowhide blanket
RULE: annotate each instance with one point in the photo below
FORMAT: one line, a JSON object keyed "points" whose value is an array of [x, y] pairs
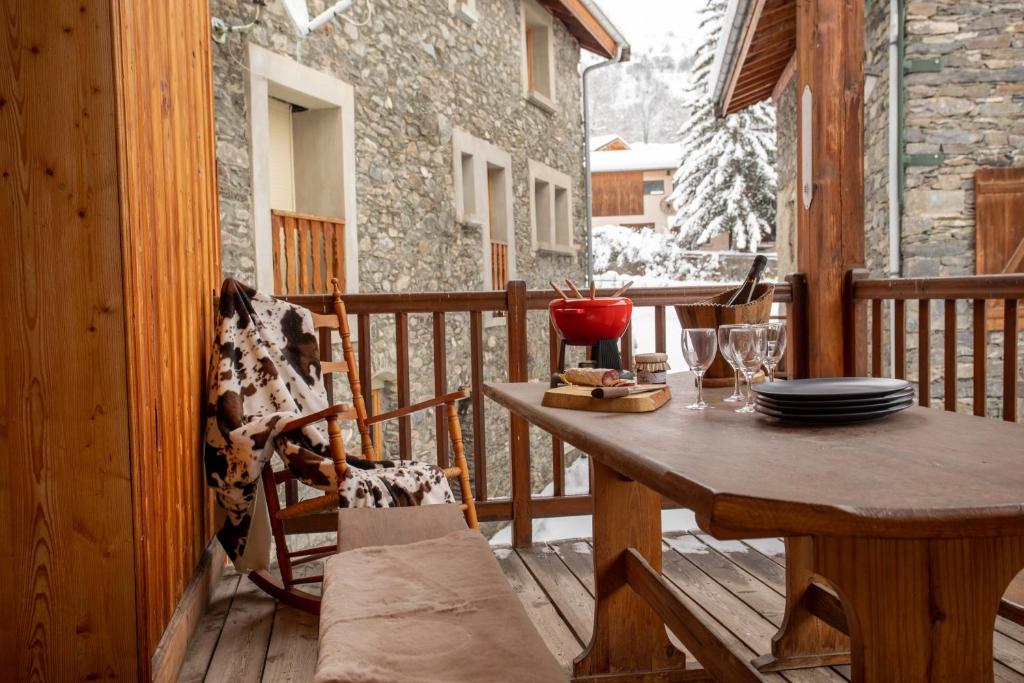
{"points": [[265, 371]]}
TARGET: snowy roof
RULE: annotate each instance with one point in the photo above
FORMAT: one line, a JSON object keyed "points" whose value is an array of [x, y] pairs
{"points": [[640, 157], [599, 141]]}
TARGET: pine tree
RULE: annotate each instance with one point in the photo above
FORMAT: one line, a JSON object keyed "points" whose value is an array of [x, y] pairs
{"points": [[727, 181]]}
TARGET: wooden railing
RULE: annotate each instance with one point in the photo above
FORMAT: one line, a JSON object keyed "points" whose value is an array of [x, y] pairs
{"points": [[308, 251], [515, 302], [980, 291], [499, 264]]}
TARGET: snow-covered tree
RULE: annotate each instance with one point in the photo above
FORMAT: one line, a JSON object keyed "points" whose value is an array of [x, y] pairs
{"points": [[727, 181]]}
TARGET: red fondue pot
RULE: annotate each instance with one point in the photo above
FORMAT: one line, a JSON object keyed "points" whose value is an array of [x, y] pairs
{"points": [[584, 322]]}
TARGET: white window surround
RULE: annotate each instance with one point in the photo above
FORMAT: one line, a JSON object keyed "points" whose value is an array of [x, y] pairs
{"points": [[464, 9], [482, 154], [551, 209], [542, 93], [274, 75]]}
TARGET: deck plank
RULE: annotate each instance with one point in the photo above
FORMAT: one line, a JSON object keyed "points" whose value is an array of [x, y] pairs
{"points": [[242, 648], [569, 596], [208, 632], [553, 630], [293, 649]]}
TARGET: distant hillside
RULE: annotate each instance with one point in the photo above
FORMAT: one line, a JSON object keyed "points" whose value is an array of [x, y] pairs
{"points": [[642, 99]]}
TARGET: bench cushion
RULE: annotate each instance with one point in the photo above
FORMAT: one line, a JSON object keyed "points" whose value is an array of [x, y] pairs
{"points": [[436, 611], [361, 527]]}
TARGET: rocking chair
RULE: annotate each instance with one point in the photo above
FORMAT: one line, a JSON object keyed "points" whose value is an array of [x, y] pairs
{"points": [[379, 525]]}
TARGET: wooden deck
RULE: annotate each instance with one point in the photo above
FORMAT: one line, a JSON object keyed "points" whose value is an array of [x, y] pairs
{"points": [[245, 637]]}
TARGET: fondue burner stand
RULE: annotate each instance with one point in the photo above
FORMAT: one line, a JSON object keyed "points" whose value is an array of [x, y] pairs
{"points": [[603, 354]]}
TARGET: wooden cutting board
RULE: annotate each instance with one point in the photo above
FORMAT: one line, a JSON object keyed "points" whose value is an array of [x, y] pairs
{"points": [[579, 398]]}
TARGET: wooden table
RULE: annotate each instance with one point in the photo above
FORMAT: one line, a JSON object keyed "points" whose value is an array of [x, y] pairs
{"points": [[902, 534]]}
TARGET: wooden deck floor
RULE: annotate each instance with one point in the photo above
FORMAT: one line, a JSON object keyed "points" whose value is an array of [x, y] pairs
{"points": [[246, 637]]}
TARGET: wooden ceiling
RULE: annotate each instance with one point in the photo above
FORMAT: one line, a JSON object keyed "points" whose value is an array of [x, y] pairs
{"points": [[767, 45], [582, 24]]}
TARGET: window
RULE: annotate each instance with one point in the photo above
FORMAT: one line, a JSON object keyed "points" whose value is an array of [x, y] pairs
{"points": [[464, 9], [654, 187], [483, 201], [551, 215], [538, 55]]}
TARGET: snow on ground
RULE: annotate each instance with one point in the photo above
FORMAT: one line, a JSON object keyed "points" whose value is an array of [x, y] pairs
{"points": [[561, 528]]}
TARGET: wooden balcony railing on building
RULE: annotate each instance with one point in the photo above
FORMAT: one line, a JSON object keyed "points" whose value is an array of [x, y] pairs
{"points": [[981, 291], [514, 303], [499, 264], [308, 251]]}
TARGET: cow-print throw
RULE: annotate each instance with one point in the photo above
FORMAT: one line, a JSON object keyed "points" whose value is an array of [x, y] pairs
{"points": [[264, 372]]}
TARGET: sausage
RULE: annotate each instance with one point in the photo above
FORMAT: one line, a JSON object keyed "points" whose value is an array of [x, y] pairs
{"points": [[592, 377]]}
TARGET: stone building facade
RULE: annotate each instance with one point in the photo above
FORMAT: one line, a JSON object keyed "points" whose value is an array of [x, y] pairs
{"points": [[423, 76], [969, 112]]}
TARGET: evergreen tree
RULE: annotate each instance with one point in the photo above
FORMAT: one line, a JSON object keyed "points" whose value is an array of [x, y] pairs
{"points": [[727, 181]]}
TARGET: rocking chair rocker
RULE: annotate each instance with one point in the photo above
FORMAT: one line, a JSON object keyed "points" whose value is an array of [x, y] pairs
{"points": [[387, 524]]}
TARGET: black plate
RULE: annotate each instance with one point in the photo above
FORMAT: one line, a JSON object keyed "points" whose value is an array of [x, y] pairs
{"points": [[831, 388], [846, 404], [834, 418]]}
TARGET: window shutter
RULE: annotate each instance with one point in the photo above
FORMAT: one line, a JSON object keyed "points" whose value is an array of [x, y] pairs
{"points": [[999, 226]]}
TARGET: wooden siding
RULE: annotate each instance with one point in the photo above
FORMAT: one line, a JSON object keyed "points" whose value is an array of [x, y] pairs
{"points": [[618, 194], [170, 240], [110, 227], [999, 225]]}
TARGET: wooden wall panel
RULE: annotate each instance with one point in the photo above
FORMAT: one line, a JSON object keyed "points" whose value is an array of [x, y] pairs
{"points": [[170, 242], [66, 560], [999, 229], [618, 194]]}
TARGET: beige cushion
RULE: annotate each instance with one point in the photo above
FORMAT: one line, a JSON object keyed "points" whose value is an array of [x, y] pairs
{"points": [[361, 527], [436, 611]]}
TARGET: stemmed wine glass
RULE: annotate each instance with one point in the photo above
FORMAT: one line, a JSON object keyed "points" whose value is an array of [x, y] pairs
{"points": [[749, 347], [775, 336], [699, 347], [726, 350]]}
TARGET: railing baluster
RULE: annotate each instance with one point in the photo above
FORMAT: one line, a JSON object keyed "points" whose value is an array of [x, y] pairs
{"points": [[899, 335], [659, 329], [440, 388], [289, 255], [949, 360], [339, 254], [519, 442], [329, 257], [924, 353], [980, 349], [876, 338], [304, 255], [404, 422], [371, 399], [557, 447], [1010, 360], [316, 238], [476, 356], [276, 226]]}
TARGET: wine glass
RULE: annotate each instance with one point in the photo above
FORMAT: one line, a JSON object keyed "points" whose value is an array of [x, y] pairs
{"points": [[726, 349], [749, 347], [699, 347], [775, 336]]}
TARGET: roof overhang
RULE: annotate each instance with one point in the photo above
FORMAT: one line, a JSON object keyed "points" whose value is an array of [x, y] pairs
{"points": [[588, 24], [755, 49]]}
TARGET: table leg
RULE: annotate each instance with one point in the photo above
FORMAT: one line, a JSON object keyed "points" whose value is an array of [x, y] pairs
{"points": [[803, 640], [920, 611], [629, 637]]}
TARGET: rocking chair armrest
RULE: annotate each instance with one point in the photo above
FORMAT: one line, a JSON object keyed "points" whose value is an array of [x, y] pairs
{"points": [[340, 410], [417, 407]]}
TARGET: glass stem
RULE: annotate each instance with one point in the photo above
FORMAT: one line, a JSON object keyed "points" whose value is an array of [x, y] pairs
{"points": [[736, 382], [771, 373], [749, 376], [700, 388]]}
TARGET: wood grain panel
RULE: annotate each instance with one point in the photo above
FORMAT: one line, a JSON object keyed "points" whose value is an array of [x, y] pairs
{"points": [[170, 244], [618, 194], [66, 561], [999, 219]]}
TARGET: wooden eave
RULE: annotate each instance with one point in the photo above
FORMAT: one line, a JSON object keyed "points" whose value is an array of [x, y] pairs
{"points": [[583, 25], [766, 47]]}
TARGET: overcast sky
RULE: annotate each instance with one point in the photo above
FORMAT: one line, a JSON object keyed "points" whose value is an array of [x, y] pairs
{"points": [[652, 22]]}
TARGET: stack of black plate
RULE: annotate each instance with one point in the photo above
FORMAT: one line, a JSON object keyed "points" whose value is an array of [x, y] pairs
{"points": [[833, 400]]}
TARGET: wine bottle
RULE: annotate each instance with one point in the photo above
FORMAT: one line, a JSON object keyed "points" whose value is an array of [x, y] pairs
{"points": [[745, 294]]}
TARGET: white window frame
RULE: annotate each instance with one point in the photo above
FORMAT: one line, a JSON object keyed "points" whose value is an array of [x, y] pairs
{"points": [[558, 182], [271, 74], [483, 154], [464, 9], [533, 14]]}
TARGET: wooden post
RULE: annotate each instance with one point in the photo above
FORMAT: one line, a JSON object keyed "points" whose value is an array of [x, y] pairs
{"points": [[519, 437], [830, 232], [855, 361], [799, 359]]}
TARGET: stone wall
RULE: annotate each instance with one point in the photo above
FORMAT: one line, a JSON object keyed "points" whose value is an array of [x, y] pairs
{"points": [[785, 161], [876, 140], [419, 72]]}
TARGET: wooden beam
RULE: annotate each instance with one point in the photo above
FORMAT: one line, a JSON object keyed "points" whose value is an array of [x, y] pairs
{"points": [[830, 233], [787, 75], [750, 30], [583, 25]]}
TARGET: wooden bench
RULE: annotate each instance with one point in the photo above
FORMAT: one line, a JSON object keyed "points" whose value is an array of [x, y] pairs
{"points": [[431, 605]]}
